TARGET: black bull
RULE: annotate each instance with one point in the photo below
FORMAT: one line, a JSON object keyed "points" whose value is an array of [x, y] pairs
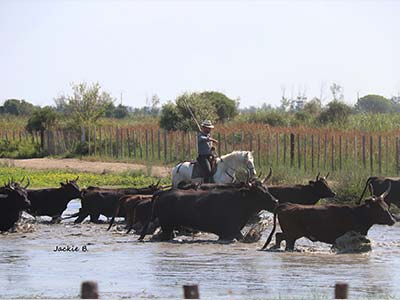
{"points": [[98, 201], [309, 193], [223, 212], [379, 184], [13, 199], [325, 223]]}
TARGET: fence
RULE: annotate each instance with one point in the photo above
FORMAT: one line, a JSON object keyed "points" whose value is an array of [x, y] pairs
{"points": [[301, 148]]}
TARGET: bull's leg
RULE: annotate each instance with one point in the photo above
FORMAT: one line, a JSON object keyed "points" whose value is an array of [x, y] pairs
{"points": [[56, 219], [290, 244], [279, 237], [81, 218], [167, 233], [95, 218]]}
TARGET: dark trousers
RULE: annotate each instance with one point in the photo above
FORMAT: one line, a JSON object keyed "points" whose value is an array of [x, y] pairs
{"points": [[206, 166]]}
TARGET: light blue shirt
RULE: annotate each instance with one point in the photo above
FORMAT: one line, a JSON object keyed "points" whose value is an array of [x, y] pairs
{"points": [[204, 144]]}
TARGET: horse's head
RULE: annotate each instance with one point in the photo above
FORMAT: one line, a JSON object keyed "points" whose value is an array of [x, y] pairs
{"points": [[249, 163]]}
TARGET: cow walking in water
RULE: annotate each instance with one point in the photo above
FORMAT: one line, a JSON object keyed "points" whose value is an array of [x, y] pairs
{"points": [[325, 223]]}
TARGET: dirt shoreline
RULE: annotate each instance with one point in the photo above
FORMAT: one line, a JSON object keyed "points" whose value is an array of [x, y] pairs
{"points": [[84, 166]]}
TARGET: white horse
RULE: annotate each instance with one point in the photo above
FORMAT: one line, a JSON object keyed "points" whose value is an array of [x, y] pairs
{"points": [[226, 167]]}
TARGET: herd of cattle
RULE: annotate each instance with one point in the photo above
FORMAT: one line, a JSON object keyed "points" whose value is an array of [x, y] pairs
{"points": [[222, 209]]}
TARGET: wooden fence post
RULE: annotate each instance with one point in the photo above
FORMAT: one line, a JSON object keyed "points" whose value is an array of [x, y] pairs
{"points": [[134, 144], [277, 148], [241, 141], [269, 161], [291, 150], [319, 152], [333, 154], [371, 154], [219, 143], [152, 143], [225, 144], [325, 149], [340, 153], [165, 145], [258, 150], [94, 141], [147, 144], [159, 144], [341, 290], [364, 160], [397, 156], [312, 153], [284, 148], [128, 137], [190, 145], [298, 151], [183, 145], [89, 290], [191, 292], [379, 155], [305, 152]]}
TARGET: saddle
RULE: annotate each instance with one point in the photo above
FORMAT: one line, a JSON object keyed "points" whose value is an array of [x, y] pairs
{"points": [[198, 171]]}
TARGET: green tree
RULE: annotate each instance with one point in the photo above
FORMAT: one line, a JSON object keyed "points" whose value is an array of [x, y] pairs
{"points": [[86, 104], [336, 112], [42, 119], [374, 104], [225, 107], [17, 107], [177, 116], [313, 107], [170, 117]]}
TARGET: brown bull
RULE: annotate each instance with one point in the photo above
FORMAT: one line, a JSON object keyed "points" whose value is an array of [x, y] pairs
{"points": [[325, 223], [128, 203]]}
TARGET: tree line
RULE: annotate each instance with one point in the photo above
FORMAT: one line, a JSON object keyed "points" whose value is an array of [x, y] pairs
{"points": [[86, 104]]}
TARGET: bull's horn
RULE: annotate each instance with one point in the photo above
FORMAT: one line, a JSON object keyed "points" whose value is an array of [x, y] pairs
{"points": [[385, 193], [317, 176], [269, 174], [76, 179], [22, 180], [259, 175], [371, 189], [158, 182], [326, 177], [247, 177], [29, 182]]}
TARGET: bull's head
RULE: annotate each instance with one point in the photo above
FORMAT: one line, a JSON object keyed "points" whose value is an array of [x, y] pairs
{"points": [[378, 208], [321, 188], [259, 193], [17, 195], [71, 187]]}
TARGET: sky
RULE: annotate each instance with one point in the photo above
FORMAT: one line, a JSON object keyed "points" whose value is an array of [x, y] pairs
{"points": [[254, 51]]}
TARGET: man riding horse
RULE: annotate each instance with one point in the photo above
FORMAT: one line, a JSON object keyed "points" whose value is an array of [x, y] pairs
{"points": [[206, 150]]}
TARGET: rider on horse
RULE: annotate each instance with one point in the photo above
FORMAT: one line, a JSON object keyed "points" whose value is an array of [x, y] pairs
{"points": [[206, 149]]}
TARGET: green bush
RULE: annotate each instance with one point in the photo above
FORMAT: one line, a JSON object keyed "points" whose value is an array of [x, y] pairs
{"points": [[19, 149]]}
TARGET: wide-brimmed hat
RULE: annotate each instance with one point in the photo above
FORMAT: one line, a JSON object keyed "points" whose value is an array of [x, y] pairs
{"points": [[207, 124]]}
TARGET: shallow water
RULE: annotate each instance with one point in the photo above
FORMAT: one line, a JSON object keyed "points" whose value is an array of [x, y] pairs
{"points": [[123, 267]]}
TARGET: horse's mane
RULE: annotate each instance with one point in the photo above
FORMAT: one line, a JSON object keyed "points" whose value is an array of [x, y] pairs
{"points": [[240, 154]]}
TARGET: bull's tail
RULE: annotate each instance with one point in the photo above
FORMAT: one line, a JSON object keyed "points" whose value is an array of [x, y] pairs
{"points": [[273, 230], [130, 226], [116, 210], [156, 195], [365, 188]]}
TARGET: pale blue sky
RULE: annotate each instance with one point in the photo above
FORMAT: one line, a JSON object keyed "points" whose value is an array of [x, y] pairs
{"points": [[246, 49]]}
